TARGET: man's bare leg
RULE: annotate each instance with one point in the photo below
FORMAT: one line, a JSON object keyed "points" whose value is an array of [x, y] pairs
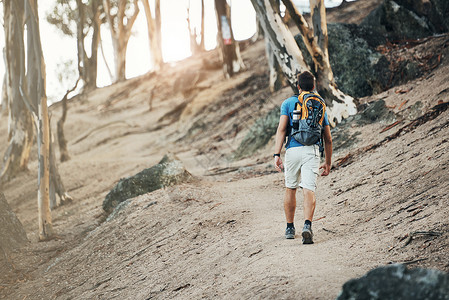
{"points": [[290, 204], [289, 208], [309, 209], [309, 204]]}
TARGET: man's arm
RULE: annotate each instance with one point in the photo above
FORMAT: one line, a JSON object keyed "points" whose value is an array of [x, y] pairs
{"points": [[280, 138], [327, 151]]}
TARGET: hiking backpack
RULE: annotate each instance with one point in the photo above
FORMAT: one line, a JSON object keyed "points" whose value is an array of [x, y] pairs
{"points": [[308, 118]]}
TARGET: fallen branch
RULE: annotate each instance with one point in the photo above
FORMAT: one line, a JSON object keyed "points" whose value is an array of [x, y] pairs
{"points": [[417, 233], [343, 160], [320, 218], [402, 104], [390, 126]]}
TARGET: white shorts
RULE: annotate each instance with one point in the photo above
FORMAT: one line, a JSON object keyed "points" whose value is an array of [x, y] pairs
{"points": [[304, 161]]}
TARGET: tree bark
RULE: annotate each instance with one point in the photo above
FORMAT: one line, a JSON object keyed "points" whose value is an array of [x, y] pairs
{"points": [[290, 59], [4, 100], [120, 34], [281, 40], [90, 74], [154, 34], [195, 46], [64, 153], [36, 98], [192, 34], [202, 45], [230, 50], [87, 66], [277, 78], [56, 184], [325, 76], [20, 124]]}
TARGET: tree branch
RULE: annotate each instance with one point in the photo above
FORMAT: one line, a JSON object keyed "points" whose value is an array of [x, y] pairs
{"points": [[130, 23]]}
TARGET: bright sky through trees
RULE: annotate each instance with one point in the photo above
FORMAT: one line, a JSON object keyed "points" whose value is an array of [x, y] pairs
{"points": [[58, 49]]}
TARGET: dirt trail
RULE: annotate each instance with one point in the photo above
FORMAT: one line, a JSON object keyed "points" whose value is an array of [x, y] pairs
{"points": [[213, 240], [222, 236]]}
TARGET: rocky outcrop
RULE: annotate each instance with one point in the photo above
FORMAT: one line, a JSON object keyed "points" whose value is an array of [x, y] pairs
{"points": [[409, 19], [169, 171], [396, 282], [374, 112], [12, 234], [359, 70]]}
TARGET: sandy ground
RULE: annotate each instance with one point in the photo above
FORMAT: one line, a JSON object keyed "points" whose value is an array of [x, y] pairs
{"points": [[222, 236]]}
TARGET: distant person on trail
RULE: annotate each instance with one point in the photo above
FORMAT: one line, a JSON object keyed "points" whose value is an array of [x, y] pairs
{"points": [[301, 160]]}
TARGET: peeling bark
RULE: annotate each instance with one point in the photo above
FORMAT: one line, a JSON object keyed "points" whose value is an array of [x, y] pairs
{"points": [[281, 40], [277, 78]]}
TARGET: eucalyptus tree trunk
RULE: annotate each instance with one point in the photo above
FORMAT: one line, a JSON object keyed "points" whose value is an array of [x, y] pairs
{"points": [[154, 33], [291, 60], [202, 45], [281, 40], [36, 98], [55, 182], [232, 60], [62, 142], [196, 47], [20, 123], [120, 27], [4, 99], [325, 76], [277, 78], [87, 66]]}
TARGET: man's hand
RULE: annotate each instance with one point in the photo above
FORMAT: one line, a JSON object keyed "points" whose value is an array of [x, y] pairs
{"points": [[278, 164], [326, 169]]}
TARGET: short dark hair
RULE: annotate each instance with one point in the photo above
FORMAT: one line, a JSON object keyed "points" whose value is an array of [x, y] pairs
{"points": [[306, 81]]}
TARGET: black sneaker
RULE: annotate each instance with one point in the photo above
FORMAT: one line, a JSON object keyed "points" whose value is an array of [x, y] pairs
{"points": [[290, 233], [307, 234]]}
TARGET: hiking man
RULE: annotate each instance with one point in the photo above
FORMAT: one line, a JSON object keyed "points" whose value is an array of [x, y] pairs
{"points": [[301, 159]]}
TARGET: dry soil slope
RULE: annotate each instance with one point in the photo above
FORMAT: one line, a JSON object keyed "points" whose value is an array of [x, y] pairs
{"points": [[222, 238]]}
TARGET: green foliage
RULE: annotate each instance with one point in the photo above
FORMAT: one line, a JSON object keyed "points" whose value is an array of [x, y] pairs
{"points": [[64, 16]]}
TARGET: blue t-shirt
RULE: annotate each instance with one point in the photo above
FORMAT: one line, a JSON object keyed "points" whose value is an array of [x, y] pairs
{"points": [[287, 108]]}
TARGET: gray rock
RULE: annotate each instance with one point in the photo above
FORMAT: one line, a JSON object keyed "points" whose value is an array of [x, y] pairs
{"points": [[409, 19], [259, 134], [169, 171], [358, 68], [375, 111], [435, 12], [12, 234], [396, 282]]}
